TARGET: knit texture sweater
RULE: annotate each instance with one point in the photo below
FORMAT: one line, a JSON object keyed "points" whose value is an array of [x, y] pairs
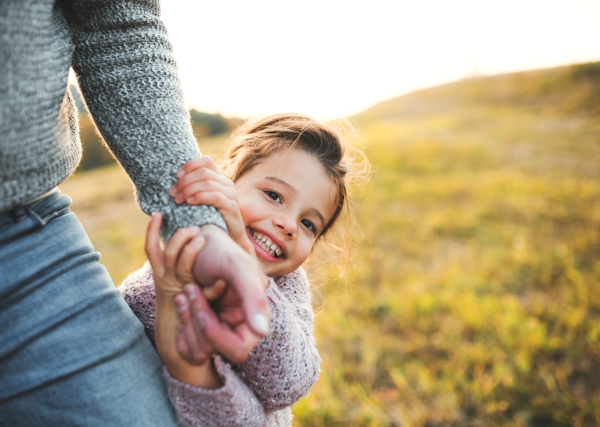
{"points": [[128, 77], [258, 392]]}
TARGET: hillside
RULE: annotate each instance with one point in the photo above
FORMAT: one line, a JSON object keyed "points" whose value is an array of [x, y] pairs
{"points": [[476, 291]]}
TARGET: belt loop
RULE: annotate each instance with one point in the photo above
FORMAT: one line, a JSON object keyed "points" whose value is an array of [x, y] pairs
{"points": [[18, 212]]}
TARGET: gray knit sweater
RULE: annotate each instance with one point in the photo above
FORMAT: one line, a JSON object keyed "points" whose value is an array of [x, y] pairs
{"points": [[126, 71]]}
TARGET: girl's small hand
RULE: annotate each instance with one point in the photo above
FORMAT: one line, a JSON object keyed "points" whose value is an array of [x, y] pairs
{"points": [[179, 253], [201, 183]]}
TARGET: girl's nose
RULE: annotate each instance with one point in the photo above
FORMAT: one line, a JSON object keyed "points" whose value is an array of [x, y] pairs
{"points": [[287, 225]]}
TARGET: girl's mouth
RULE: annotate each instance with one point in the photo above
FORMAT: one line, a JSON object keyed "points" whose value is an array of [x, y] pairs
{"points": [[264, 242]]}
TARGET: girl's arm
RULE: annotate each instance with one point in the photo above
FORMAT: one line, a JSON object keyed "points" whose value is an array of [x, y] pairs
{"points": [[233, 404], [209, 394]]}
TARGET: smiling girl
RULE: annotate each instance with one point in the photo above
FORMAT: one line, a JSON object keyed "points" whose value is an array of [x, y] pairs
{"points": [[281, 189]]}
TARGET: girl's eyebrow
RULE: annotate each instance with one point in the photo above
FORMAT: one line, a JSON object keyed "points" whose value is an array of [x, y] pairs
{"points": [[281, 182], [292, 189]]}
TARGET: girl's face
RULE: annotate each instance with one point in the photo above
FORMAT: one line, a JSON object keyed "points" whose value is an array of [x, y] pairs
{"points": [[286, 201]]}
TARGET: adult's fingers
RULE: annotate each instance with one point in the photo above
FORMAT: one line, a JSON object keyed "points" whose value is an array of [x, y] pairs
{"points": [[251, 288], [235, 344], [176, 244], [153, 250], [181, 345], [214, 291], [200, 347]]}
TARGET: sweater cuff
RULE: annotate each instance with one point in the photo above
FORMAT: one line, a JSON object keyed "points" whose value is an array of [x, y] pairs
{"points": [[176, 217], [231, 405]]}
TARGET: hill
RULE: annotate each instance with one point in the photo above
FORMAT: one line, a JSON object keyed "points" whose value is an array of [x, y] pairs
{"points": [[476, 292]]}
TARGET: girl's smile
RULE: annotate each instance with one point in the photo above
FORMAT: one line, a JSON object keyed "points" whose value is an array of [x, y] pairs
{"points": [[286, 201]]}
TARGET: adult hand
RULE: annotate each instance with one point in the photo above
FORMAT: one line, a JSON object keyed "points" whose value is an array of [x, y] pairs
{"points": [[222, 258], [202, 331]]}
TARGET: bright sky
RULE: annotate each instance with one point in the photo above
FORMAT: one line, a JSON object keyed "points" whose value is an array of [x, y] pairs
{"points": [[331, 58]]}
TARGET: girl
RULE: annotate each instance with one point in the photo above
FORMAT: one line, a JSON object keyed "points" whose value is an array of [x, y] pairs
{"points": [[283, 187]]}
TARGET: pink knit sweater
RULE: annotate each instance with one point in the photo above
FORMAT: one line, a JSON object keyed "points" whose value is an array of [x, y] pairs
{"points": [[258, 392]]}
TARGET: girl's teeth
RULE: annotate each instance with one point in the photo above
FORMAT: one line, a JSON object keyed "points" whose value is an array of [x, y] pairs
{"points": [[266, 244]]}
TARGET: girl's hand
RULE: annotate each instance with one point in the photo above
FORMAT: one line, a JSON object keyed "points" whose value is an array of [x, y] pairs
{"points": [[201, 183]]}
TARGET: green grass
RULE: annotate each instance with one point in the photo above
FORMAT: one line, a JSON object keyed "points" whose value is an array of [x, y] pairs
{"points": [[476, 298]]}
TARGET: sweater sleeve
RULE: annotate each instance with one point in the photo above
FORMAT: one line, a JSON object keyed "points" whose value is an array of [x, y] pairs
{"points": [[128, 76], [233, 405], [285, 364]]}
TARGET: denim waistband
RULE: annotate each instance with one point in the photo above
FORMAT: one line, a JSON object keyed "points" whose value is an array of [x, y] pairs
{"points": [[39, 208]]}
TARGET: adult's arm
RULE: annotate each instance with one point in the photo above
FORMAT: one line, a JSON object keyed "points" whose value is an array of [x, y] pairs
{"points": [[128, 76]]}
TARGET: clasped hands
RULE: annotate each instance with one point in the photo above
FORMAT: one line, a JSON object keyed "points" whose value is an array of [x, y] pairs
{"points": [[187, 334]]}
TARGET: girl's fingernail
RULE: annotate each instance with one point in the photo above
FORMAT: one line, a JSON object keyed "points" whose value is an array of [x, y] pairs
{"points": [[181, 302], [179, 198], [173, 191], [181, 173], [201, 319], [190, 290], [198, 241], [194, 229]]}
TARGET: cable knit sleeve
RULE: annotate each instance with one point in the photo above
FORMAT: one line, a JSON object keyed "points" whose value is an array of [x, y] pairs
{"points": [[285, 364], [128, 76]]}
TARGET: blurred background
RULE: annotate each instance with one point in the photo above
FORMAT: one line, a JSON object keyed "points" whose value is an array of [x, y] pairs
{"points": [[474, 297]]}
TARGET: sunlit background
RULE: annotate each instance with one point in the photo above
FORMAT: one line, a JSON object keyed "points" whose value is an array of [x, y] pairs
{"points": [[474, 298], [332, 58]]}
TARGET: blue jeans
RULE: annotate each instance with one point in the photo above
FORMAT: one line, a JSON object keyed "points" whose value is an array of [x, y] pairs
{"points": [[71, 351]]}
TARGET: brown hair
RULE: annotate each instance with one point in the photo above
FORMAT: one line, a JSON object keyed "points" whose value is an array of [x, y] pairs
{"points": [[260, 138]]}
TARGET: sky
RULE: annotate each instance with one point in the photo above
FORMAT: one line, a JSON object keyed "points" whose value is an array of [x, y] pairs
{"points": [[333, 59]]}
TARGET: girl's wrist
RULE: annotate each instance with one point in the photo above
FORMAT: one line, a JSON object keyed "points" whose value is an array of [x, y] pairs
{"points": [[202, 376]]}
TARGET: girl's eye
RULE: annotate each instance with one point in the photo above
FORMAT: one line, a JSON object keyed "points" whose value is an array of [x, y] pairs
{"points": [[273, 195], [308, 224]]}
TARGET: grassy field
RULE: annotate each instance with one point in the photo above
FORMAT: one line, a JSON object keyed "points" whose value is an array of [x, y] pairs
{"points": [[475, 298]]}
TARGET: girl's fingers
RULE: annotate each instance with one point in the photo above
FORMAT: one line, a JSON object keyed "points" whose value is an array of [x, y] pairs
{"points": [[188, 193], [228, 208], [152, 247], [199, 162], [199, 175], [176, 244], [186, 259]]}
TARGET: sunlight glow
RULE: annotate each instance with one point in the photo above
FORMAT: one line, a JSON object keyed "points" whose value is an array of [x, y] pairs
{"points": [[336, 58]]}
